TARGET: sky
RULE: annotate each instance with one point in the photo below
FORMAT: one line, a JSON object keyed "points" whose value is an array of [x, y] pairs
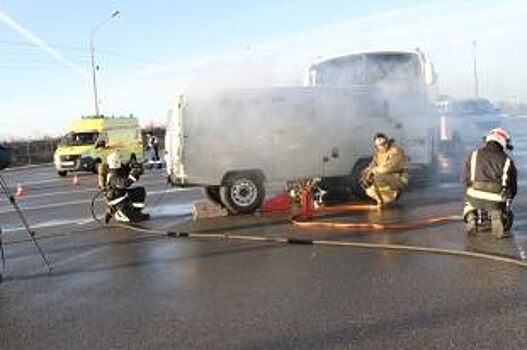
{"points": [[154, 50]]}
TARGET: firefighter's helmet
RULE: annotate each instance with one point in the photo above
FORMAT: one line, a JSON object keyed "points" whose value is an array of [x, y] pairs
{"points": [[500, 136], [114, 160]]}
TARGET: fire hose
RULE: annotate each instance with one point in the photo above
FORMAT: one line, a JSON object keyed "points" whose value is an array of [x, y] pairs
{"points": [[365, 226], [329, 243]]}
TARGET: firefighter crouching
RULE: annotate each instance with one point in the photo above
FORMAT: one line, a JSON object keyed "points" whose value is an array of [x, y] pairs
{"points": [[125, 203], [490, 176], [387, 174]]}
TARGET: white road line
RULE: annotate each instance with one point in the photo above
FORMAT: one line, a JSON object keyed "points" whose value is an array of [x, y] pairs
{"points": [[45, 224], [182, 209], [68, 181], [73, 190], [8, 209]]}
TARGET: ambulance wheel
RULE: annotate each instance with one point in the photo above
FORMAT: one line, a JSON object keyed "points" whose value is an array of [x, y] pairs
{"points": [[62, 173], [212, 193], [355, 176], [242, 193]]}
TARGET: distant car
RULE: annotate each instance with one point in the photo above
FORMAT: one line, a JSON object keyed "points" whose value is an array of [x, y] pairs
{"points": [[465, 122]]}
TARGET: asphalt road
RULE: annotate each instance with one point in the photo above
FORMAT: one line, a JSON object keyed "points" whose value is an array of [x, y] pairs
{"points": [[120, 289]]}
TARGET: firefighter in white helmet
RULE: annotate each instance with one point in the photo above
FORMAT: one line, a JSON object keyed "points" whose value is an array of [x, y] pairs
{"points": [[490, 177], [126, 202], [387, 175]]}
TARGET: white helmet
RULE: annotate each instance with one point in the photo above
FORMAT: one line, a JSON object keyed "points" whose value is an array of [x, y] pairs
{"points": [[114, 160], [501, 136]]}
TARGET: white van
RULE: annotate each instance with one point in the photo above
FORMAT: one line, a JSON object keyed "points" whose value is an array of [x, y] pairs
{"points": [[233, 142]]}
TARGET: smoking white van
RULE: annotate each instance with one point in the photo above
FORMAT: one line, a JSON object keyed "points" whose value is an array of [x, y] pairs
{"points": [[234, 142]]}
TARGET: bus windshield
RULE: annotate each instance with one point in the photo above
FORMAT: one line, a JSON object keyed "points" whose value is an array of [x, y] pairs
{"points": [[396, 67]]}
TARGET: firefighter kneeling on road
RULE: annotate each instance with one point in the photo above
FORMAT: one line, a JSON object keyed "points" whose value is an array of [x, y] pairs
{"points": [[125, 203], [387, 174], [491, 179]]}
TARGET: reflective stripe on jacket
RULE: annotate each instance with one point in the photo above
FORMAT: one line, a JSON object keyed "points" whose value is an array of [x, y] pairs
{"points": [[490, 174]]}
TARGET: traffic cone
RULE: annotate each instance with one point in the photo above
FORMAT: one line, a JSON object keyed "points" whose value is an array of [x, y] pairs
{"points": [[20, 190], [76, 181]]}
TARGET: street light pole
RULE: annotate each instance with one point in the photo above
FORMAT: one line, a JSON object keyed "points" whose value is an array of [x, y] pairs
{"points": [[476, 87], [92, 52]]}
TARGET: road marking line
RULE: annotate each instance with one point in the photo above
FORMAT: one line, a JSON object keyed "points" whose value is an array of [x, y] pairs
{"points": [[9, 209]]}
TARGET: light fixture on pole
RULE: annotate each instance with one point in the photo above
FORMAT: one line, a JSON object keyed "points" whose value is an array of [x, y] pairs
{"points": [[92, 51]]}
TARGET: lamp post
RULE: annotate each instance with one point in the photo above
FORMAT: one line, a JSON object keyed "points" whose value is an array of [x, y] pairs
{"points": [[476, 87], [92, 51]]}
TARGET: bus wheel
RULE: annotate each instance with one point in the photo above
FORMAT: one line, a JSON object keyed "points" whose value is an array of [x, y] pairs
{"points": [[212, 193], [242, 193], [62, 173]]}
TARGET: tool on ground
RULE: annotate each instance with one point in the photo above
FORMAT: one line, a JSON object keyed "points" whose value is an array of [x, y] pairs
{"points": [[308, 194], [9, 195]]}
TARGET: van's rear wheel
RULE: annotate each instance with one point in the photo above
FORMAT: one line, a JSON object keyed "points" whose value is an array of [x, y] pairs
{"points": [[242, 193], [62, 173], [212, 193], [356, 174]]}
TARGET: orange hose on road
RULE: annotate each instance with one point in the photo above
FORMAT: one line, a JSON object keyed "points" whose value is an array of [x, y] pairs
{"points": [[367, 226]]}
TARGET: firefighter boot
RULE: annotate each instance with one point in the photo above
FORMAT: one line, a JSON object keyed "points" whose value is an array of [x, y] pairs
{"points": [[120, 216], [143, 217], [110, 212], [107, 217], [471, 224], [498, 227]]}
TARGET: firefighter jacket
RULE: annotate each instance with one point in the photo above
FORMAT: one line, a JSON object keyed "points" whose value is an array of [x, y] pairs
{"points": [[118, 181], [490, 174], [391, 161]]}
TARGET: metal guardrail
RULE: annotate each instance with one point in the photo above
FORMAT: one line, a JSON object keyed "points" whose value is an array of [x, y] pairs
{"points": [[33, 152]]}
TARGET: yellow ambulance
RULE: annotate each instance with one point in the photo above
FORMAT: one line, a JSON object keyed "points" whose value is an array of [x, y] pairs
{"points": [[89, 140]]}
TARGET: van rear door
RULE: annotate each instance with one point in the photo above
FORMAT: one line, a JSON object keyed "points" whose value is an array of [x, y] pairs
{"points": [[174, 141]]}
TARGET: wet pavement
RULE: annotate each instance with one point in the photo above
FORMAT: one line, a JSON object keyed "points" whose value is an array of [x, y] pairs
{"points": [[116, 288]]}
